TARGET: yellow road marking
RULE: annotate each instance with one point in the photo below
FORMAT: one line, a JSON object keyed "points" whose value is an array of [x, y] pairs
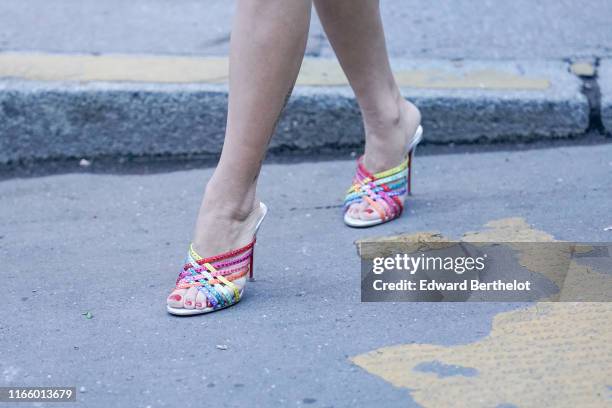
{"points": [[183, 69], [549, 354], [583, 68]]}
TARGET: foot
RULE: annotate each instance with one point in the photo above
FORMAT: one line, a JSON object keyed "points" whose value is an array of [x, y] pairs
{"points": [[223, 225], [386, 142]]}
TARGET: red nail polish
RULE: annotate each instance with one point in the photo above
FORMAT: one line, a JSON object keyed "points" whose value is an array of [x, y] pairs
{"points": [[198, 304], [175, 297], [188, 303]]}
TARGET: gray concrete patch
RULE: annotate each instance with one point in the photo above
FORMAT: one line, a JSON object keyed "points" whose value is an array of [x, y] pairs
{"points": [[445, 370], [604, 74], [63, 120]]}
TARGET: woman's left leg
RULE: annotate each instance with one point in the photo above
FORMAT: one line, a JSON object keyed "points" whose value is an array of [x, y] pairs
{"points": [[355, 31]]}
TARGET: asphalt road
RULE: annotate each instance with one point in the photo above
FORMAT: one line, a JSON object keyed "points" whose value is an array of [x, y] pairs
{"points": [[491, 29], [111, 245]]}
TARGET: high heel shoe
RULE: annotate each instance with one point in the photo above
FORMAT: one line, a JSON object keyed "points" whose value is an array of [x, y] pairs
{"points": [[385, 192], [215, 276]]}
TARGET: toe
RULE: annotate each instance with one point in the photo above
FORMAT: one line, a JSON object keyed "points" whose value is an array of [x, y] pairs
{"points": [[200, 301], [365, 211], [355, 209], [368, 213], [190, 297], [176, 298], [351, 210]]}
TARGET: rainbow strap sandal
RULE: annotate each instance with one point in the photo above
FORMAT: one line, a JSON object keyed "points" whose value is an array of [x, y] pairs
{"points": [[385, 192], [215, 276]]}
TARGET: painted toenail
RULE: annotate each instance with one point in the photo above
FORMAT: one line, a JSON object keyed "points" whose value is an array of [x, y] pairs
{"points": [[188, 303], [198, 304], [175, 297]]}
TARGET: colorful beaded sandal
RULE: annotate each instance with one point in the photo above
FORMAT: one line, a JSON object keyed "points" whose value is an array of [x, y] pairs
{"points": [[385, 192], [215, 276]]}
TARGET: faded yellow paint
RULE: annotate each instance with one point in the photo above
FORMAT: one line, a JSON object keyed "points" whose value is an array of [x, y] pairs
{"points": [[113, 68], [549, 354], [411, 242], [552, 261], [508, 230], [321, 72], [583, 68], [477, 79], [576, 282], [183, 69]]}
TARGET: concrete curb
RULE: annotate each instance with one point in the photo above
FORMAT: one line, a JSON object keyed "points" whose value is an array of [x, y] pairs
{"points": [[605, 87], [42, 120]]}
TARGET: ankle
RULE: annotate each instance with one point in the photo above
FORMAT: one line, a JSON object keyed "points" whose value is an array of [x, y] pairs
{"points": [[229, 203], [224, 222], [389, 133], [382, 116]]}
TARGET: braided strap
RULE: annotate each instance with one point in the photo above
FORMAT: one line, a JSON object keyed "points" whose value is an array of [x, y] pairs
{"points": [[215, 276], [380, 190]]}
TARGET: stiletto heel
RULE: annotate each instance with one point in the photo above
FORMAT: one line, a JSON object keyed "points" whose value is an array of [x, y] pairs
{"points": [[410, 172], [385, 192], [411, 155], [215, 276], [251, 279]]}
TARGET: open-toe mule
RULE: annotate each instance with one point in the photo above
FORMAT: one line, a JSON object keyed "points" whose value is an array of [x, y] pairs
{"points": [[220, 278], [384, 192]]}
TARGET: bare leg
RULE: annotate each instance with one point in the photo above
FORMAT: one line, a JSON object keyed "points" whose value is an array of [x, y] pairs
{"points": [[266, 51], [355, 30]]}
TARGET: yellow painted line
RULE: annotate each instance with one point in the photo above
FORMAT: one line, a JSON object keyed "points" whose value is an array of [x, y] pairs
{"points": [[550, 354], [489, 79], [113, 68], [583, 68], [178, 69]]}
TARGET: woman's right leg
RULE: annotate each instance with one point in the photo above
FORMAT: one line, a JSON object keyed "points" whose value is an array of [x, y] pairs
{"points": [[267, 47]]}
